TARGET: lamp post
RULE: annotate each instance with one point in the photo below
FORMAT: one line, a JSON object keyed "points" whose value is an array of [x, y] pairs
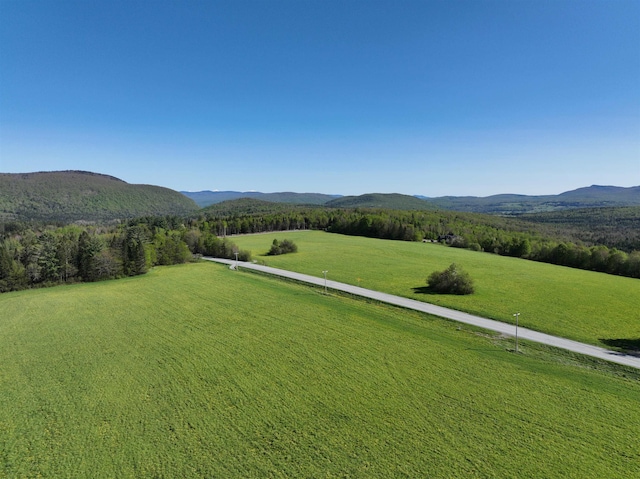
{"points": [[325, 281], [236, 253], [517, 315]]}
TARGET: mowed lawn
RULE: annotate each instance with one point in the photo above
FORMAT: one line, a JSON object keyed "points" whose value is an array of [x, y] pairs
{"points": [[199, 371], [576, 304]]}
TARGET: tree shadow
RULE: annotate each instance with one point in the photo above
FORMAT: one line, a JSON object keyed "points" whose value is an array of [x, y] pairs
{"points": [[624, 345], [429, 291], [424, 290]]}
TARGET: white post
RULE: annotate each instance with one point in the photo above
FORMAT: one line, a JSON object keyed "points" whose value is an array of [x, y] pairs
{"points": [[517, 315], [325, 281]]}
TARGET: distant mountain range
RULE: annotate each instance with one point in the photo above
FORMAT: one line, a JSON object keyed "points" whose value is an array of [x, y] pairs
{"points": [[392, 201], [590, 197], [69, 196], [206, 198], [81, 195]]}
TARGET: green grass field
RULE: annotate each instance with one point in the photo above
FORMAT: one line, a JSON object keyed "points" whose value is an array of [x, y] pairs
{"points": [[198, 371], [581, 305]]}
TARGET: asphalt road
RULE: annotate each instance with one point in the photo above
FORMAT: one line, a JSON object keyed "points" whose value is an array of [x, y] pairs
{"points": [[452, 314]]}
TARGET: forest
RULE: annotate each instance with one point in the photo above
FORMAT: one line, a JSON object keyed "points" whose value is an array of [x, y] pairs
{"points": [[547, 243], [70, 196], [615, 227], [35, 255], [76, 253]]}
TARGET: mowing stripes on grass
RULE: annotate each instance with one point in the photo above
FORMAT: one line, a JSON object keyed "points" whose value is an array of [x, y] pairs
{"points": [[198, 371]]}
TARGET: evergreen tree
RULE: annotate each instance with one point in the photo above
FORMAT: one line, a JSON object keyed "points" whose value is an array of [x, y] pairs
{"points": [[89, 246], [48, 259], [12, 274], [134, 258]]}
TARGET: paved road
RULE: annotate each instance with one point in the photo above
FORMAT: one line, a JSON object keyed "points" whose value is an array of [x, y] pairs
{"points": [[452, 314]]}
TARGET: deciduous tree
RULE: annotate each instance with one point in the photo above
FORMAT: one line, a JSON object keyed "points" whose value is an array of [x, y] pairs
{"points": [[453, 280]]}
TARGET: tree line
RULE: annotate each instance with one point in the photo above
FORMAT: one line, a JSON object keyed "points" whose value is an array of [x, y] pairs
{"points": [[497, 235], [74, 253], [36, 255]]}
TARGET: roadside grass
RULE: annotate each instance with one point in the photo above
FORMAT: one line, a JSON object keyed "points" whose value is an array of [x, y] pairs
{"points": [[199, 371], [586, 306]]}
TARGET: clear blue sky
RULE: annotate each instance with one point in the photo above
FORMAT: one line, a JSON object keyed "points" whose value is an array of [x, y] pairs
{"points": [[419, 97]]}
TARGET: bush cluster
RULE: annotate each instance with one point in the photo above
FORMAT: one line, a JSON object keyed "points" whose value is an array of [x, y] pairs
{"points": [[284, 247], [453, 280]]}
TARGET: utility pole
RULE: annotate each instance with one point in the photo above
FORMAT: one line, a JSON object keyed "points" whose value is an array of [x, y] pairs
{"points": [[325, 281], [517, 315]]}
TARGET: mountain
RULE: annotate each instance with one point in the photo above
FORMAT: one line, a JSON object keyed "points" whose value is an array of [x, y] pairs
{"points": [[505, 204], [372, 200], [393, 201], [206, 198], [81, 195], [611, 195], [250, 206], [590, 197]]}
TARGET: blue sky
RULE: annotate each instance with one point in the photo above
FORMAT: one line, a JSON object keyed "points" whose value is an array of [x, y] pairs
{"points": [[344, 97]]}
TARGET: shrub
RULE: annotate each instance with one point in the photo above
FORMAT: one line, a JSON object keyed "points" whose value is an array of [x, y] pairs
{"points": [[284, 247], [244, 255], [452, 280]]}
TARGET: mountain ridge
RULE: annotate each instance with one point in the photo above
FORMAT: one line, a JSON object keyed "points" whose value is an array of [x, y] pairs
{"points": [[503, 204], [207, 197], [75, 195], [395, 201], [515, 204]]}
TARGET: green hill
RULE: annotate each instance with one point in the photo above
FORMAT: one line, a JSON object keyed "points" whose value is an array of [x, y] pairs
{"points": [[617, 227], [199, 371], [81, 195], [393, 201], [590, 197], [206, 198], [250, 206], [504, 204], [582, 305]]}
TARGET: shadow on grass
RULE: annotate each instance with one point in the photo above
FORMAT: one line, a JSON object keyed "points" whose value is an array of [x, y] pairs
{"points": [[429, 291], [424, 290], [627, 346]]}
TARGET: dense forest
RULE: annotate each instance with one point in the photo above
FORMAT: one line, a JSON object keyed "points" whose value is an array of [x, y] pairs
{"points": [[80, 253], [69, 196], [493, 234], [614, 227], [37, 255]]}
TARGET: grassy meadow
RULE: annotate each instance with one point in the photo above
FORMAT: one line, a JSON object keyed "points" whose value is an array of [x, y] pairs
{"points": [[581, 305], [199, 371]]}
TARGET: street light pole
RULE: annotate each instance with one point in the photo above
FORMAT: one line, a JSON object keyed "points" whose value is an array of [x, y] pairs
{"points": [[517, 315], [325, 281]]}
